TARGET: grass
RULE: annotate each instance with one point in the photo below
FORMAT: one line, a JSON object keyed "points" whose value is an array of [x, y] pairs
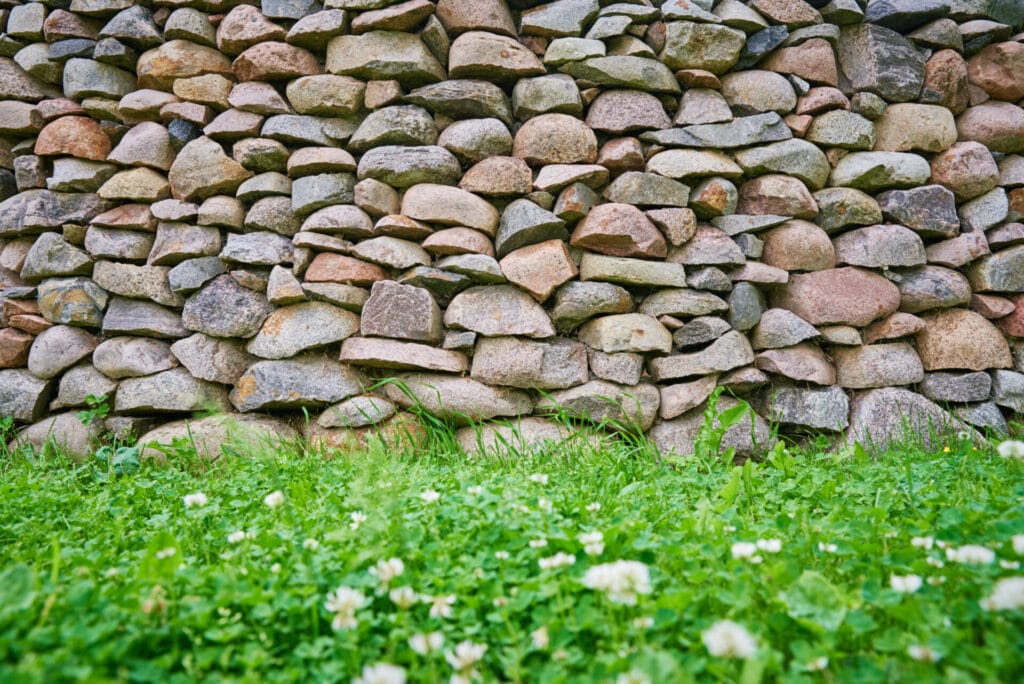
{"points": [[107, 575]]}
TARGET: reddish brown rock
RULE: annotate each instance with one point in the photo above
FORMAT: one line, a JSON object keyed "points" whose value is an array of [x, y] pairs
{"points": [[621, 154], [75, 136], [999, 70], [945, 81], [555, 139], [820, 100], [335, 268], [998, 126], [498, 177], [777, 194], [403, 16], [61, 24], [966, 168], [792, 13], [458, 16], [160, 67], [14, 346], [619, 230], [243, 27], [991, 306], [798, 246], [540, 269], [1013, 323], [458, 241], [803, 363], [275, 62], [877, 365], [814, 61], [850, 296], [958, 339], [893, 327]]}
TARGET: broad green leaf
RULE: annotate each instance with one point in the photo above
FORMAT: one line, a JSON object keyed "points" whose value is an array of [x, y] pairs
{"points": [[815, 602]]}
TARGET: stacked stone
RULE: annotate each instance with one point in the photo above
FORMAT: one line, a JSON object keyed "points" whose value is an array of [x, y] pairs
{"points": [[512, 209]]}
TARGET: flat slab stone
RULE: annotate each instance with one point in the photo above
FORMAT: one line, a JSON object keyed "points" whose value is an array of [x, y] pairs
{"points": [[460, 399], [392, 354], [527, 364], [290, 330], [825, 408], [877, 365], [606, 403], [23, 396], [304, 381], [497, 311]]}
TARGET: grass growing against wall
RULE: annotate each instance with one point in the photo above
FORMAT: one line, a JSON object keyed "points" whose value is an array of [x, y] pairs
{"points": [[577, 565]]}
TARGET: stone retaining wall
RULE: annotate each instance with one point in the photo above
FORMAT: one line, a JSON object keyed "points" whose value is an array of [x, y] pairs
{"points": [[515, 208]]}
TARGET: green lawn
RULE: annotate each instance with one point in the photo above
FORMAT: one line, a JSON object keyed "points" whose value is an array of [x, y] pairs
{"points": [[114, 577]]}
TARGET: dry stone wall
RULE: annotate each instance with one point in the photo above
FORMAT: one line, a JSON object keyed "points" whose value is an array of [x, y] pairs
{"points": [[515, 208]]}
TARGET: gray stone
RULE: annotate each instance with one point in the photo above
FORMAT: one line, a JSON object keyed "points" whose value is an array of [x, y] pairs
{"points": [[956, 387], [310, 193], [524, 223], [496, 311], [138, 282], [700, 331], [463, 99], [841, 207], [985, 417], [176, 242], [138, 317], [401, 311], [930, 210], [215, 437], [877, 365], [384, 55], [71, 174], [817, 408], [1008, 390], [880, 246], [840, 128], [607, 404], [745, 306], [459, 399], [639, 73], [511, 362], [748, 438], [740, 132], [795, 157], [449, 206], [304, 381], [731, 350], [223, 308], [624, 368], [473, 140], [171, 391], [883, 418], [72, 301], [395, 355], [630, 332], [300, 327], [874, 171], [132, 357], [52, 255], [406, 125], [932, 287], [192, 274], [23, 396], [681, 302], [647, 190], [627, 271], [258, 249], [982, 213], [209, 358], [576, 302], [112, 243], [682, 397], [78, 382], [555, 93], [779, 328], [63, 432], [58, 348], [357, 412], [403, 167], [560, 18], [881, 61], [691, 45], [85, 78]]}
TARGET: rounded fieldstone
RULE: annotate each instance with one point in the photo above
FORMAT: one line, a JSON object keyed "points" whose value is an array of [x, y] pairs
{"points": [[555, 139]]}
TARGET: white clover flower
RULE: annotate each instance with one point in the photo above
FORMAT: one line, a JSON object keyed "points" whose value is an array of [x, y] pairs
{"points": [[236, 537], [745, 551], [559, 560], [727, 639], [905, 584], [593, 543], [275, 568], [593, 507], [633, 677], [925, 543], [440, 606], [620, 581], [971, 554], [770, 545], [1018, 544], [643, 622], [1011, 448], [934, 562], [311, 544], [274, 499], [501, 555], [430, 496], [539, 478], [344, 602], [538, 543], [465, 656], [426, 643], [1009, 565], [381, 673], [729, 528], [357, 518], [818, 664], [500, 602], [166, 553], [826, 547], [540, 638], [195, 500], [925, 654], [937, 580], [1007, 594], [545, 504], [403, 597], [387, 570], [475, 490]]}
